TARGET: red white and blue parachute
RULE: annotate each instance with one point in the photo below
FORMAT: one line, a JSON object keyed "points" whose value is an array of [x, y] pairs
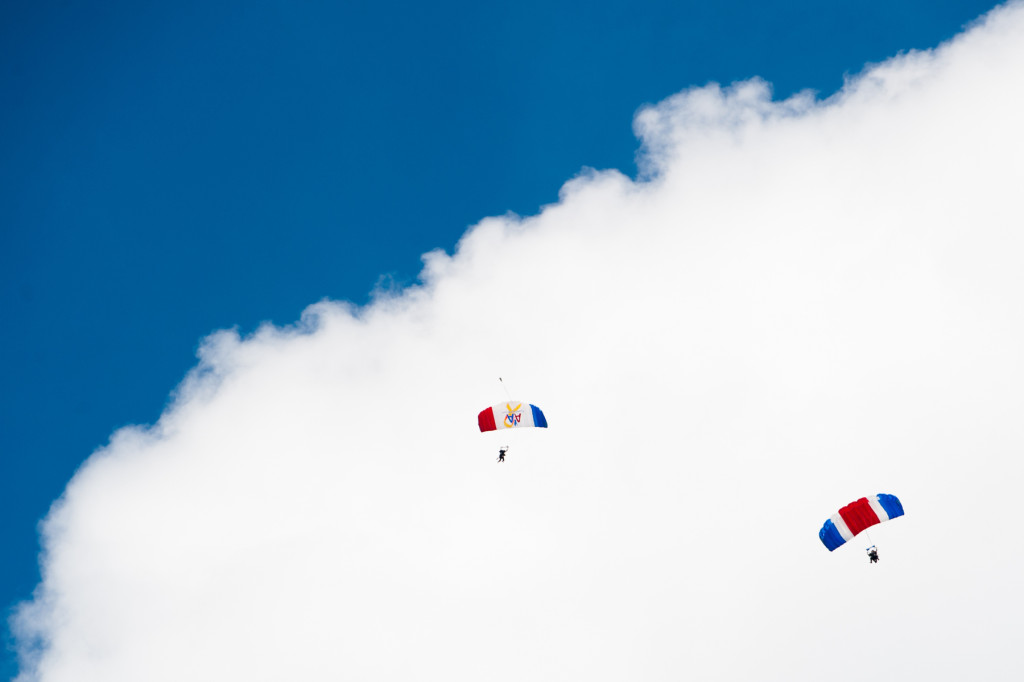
{"points": [[858, 516], [513, 414]]}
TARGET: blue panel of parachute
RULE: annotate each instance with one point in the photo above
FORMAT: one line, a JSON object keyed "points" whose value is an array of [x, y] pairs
{"points": [[539, 420], [891, 505], [830, 536]]}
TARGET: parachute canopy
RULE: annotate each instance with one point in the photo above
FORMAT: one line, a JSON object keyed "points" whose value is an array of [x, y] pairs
{"points": [[857, 516], [511, 415]]}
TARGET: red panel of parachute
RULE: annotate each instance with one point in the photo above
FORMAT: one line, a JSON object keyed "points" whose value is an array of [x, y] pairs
{"points": [[859, 515], [486, 420]]}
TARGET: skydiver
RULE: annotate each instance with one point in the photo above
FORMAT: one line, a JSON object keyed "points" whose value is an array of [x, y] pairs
{"points": [[873, 554], [501, 453]]}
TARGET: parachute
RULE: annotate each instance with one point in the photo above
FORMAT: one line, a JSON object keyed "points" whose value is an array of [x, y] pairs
{"points": [[857, 516], [513, 414]]}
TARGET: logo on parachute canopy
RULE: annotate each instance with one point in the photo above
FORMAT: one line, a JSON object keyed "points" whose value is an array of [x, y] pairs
{"points": [[514, 416]]}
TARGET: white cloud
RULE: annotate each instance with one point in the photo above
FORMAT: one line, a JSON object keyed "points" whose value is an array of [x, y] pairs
{"points": [[804, 302]]}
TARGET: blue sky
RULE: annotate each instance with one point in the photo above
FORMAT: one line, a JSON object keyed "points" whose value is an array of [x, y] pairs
{"points": [[169, 170]]}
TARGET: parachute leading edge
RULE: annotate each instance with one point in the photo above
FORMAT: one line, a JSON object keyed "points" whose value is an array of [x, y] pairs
{"points": [[858, 516], [511, 415]]}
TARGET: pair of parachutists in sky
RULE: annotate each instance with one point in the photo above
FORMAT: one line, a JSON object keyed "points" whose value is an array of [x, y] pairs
{"points": [[837, 531]]}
